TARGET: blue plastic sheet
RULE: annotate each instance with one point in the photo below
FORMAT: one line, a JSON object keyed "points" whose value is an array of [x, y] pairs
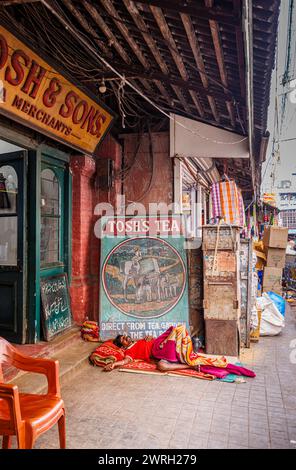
{"points": [[278, 301]]}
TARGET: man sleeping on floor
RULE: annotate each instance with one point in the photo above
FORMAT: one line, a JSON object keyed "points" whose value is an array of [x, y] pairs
{"points": [[172, 350]]}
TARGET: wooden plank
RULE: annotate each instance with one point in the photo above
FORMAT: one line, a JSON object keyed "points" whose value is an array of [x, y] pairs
{"points": [[7, 3], [241, 60], [180, 97], [231, 113], [218, 50], [166, 33], [192, 38], [214, 109], [224, 15], [197, 103], [84, 23], [140, 23], [222, 337], [106, 30], [108, 5], [163, 91]]}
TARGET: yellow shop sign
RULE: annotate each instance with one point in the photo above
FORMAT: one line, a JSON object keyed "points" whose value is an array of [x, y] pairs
{"points": [[36, 95]]}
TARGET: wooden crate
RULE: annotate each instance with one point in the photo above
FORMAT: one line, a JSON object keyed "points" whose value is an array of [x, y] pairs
{"points": [[221, 286], [229, 237], [222, 337]]}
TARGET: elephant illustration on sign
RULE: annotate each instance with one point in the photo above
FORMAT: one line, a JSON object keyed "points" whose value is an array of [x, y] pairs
{"points": [[145, 274], [144, 277]]}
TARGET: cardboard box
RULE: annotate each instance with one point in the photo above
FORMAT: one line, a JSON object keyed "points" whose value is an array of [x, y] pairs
{"points": [[275, 237], [275, 257], [272, 279], [276, 290]]}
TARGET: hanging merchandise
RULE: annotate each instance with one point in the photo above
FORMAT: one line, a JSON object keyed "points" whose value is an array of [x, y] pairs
{"points": [[265, 216], [254, 229], [249, 223], [216, 201], [227, 203], [271, 222]]}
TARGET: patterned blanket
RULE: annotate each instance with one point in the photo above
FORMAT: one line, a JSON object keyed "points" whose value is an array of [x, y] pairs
{"points": [[181, 341], [90, 331], [105, 354], [142, 367]]}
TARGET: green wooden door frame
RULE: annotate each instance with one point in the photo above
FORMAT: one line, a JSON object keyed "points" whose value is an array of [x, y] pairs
{"points": [[50, 157]]}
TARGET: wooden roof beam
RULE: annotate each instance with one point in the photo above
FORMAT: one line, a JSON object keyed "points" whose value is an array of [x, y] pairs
{"points": [[84, 23], [240, 49], [109, 7], [106, 30], [215, 32], [222, 16], [140, 23], [187, 23], [214, 109], [166, 32], [163, 91], [180, 97], [231, 112], [197, 103], [8, 3], [134, 46], [189, 28], [132, 70], [218, 51]]}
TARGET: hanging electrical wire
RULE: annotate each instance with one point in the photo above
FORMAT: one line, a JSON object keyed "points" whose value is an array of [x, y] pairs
{"points": [[79, 62]]}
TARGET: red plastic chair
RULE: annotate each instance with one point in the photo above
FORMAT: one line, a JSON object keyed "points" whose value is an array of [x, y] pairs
{"points": [[24, 415]]}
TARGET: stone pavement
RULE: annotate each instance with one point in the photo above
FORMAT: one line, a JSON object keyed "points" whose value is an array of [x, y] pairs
{"points": [[123, 410]]}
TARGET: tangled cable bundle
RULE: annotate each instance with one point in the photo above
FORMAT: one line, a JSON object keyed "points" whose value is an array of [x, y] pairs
{"points": [[90, 331]]}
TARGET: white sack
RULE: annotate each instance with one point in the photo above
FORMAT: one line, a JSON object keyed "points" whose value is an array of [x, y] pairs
{"points": [[272, 321]]}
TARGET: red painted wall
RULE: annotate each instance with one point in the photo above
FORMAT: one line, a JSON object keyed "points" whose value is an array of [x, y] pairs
{"points": [[86, 195], [141, 185]]}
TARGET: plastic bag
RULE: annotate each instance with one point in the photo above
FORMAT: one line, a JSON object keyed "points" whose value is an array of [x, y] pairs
{"points": [[279, 301]]}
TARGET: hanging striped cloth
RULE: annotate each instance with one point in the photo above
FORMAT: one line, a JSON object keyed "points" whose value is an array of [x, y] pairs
{"points": [[216, 201], [230, 202]]}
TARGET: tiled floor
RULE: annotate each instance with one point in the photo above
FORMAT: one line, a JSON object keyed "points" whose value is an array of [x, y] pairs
{"points": [[124, 410]]}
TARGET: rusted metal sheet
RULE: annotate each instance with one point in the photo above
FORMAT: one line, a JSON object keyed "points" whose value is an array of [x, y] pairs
{"points": [[222, 337]]}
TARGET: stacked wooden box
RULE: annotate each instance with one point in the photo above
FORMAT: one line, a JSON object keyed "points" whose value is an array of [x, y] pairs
{"points": [[275, 241], [221, 256]]}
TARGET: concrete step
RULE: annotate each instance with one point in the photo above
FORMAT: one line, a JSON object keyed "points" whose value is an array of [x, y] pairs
{"points": [[72, 360]]}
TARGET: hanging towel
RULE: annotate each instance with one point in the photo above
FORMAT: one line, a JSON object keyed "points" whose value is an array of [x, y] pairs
{"points": [[227, 203], [216, 201]]}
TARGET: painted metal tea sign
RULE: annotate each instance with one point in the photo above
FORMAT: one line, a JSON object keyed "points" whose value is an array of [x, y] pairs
{"points": [[143, 282]]}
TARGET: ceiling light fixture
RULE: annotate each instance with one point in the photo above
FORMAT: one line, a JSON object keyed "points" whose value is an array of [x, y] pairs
{"points": [[102, 86]]}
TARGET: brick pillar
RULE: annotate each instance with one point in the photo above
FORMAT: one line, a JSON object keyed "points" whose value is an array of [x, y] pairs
{"points": [[109, 149], [82, 285]]}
